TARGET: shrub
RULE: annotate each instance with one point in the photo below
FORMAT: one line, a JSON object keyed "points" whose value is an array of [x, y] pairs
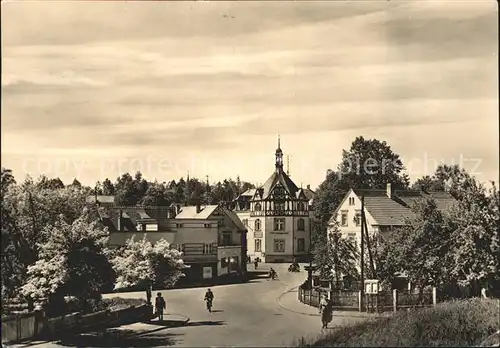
{"points": [[455, 323]]}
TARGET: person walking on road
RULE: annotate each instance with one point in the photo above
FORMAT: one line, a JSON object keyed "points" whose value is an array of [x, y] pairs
{"points": [[160, 306], [327, 314], [322, 304], [256, 263]]}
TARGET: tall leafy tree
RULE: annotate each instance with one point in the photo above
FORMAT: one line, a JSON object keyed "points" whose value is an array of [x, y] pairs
{"points": [[335, 256], [156, 195], [27, 210], [76, 184], [419, 249], [369, 163], [446, 177], [140, 263], [72, 261], [108, 188], [475, 221], [51, 184]]}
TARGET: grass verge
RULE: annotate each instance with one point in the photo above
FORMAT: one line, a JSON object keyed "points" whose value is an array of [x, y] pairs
{"points": [[459, 323]]}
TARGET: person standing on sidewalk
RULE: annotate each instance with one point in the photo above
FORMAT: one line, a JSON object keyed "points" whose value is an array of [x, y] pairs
{"points": [[160, 306]]}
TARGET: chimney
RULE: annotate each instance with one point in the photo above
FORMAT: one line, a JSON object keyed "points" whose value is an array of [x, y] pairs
{"points": [[198, 208], [120, 222], [389, 190]]}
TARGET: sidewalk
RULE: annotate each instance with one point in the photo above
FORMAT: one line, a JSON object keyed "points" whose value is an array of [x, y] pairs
{"points": [[290, 301]]}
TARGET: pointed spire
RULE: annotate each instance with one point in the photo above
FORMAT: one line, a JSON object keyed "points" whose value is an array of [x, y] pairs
{"points": [[279, 157], [287, 165]]}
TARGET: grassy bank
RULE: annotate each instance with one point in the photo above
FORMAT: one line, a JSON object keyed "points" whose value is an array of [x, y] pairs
{"points": [[454, 323]]}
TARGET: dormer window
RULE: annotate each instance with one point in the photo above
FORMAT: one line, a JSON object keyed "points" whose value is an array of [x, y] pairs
{"points": [[258, 207]]}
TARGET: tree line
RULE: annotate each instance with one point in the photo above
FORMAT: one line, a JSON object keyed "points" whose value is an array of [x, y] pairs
{"points": [[135, 190]]}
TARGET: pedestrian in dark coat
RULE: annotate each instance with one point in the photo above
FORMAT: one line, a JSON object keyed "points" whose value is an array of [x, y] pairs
{"points": [[160, 306]]}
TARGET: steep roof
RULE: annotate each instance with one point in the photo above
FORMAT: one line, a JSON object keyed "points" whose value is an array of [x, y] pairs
{"points": [[235, 219], [309, 193], [393, 211], [281, 177]]}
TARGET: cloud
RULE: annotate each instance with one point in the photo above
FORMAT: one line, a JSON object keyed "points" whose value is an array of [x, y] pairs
{"points": [[179, 78]]}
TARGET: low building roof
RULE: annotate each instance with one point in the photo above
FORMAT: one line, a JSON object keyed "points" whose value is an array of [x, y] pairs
{"points": [[393, 211]]}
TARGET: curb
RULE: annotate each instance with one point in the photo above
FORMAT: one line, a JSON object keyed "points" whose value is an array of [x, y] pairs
{"points": [[178, 322], [278, 302]]}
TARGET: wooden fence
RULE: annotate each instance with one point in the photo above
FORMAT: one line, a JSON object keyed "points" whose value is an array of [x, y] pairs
{"points": [[382, 301]]}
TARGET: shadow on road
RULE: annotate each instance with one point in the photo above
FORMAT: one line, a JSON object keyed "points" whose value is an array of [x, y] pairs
{"points": [[121, 338], [206, 323], [218, 311], [166, 323]]}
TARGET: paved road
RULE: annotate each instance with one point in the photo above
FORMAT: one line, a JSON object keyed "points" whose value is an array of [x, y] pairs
{"points": [[244, 315]]}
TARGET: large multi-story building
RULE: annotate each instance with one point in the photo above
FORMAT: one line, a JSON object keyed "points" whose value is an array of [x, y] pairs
{"points": [[212, 238], [277, 217]]}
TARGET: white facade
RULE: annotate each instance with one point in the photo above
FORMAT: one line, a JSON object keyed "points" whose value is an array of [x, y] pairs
{"points": [[348, 216]]}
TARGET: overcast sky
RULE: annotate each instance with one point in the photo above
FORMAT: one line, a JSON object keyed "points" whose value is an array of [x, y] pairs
{"points": [[94, 89]]}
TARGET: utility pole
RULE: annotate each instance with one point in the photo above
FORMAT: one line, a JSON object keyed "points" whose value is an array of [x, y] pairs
{"points": [[372, 266], [362, 297]]}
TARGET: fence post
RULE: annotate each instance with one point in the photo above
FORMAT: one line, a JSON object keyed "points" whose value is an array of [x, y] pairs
{"points": [[395, 300], [434, 296], [359, 301]]}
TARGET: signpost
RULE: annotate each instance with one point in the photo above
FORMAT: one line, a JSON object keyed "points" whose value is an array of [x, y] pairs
{"points": [[361, 297]]}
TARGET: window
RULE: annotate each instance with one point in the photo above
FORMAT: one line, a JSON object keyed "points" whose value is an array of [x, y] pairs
{"points": [[343, 218], [258, 207], [279, 206], [279, 245], [222, 223], [357, 218], [301, 244], [225, 238], [300, 206], [207, 249], [207, 225], [258, 244], [301, 225], [351, 200], [179, 225], [223, 262], [279, 224], [245, 222], [257, 225]]}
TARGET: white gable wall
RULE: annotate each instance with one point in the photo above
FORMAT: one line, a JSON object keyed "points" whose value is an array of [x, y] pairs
{"points": [[351, 228]]}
